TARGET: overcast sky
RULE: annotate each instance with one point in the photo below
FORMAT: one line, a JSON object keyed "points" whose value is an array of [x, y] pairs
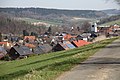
{"points": [[61, 4]]}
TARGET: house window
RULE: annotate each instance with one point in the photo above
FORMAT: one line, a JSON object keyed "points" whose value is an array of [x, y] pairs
{"points": [[16, 53], [92, 25]]}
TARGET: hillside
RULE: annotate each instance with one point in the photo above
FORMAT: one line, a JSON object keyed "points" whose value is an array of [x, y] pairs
{"points": [[112, 23], [112, 12], [11, 25], [42, 13], [109, 19], [48, 66], [30, 20]]}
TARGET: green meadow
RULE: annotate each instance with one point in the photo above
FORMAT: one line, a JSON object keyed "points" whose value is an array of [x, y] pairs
{"points": [[48, 66]]}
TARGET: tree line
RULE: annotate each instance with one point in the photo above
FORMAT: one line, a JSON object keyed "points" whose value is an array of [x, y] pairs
{"points": [[54, 13], [109, 19], [10, 25]]}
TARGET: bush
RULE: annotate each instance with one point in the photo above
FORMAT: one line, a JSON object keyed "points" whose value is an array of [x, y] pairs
{"points": [[7, 58]]}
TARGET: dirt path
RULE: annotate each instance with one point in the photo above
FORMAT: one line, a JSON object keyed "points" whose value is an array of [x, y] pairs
{"points": [[104, 65], [99, 38], [1, 62]]}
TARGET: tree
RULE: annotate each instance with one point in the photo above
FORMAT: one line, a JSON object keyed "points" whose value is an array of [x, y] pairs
{"points": [[34, 34], [49, 30], [25, 33], [86, 26]]}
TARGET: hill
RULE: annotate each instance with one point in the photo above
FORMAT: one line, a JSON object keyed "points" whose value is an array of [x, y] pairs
{"points": [[109, 19], [30, 20], [112, 23], [11, 25], [112, 12], [43, 13], [48, 66]]}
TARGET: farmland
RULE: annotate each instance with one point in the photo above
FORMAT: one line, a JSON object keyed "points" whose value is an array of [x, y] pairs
{"points": [[30, 20], [48, 66]]}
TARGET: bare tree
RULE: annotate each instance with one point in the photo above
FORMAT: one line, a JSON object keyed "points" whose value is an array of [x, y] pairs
{"points": [[86, 26]]}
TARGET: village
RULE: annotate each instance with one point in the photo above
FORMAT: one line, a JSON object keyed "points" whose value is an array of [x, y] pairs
{"points": [[14, 47], [60, 40]]}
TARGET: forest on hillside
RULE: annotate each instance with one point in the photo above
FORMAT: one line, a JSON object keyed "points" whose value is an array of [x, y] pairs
{"points": [[42, 13], [10, 25], [109, 19]]}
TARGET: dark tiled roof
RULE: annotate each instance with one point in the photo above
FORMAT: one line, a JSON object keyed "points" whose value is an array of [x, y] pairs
{"points": [[60, 46], [22, 50], [38, 50], [45, 47]]}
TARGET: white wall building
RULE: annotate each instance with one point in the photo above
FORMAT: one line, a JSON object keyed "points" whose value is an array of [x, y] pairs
{"points": [[94, 27]]}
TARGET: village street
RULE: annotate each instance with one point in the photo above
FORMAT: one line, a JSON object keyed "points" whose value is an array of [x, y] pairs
{"points": [[104, 65]]}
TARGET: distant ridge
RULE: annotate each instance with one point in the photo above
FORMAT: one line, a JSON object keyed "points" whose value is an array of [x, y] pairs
{"points": [[38, 12], [112, 11]]}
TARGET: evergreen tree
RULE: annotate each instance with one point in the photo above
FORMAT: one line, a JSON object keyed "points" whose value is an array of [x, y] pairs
{"points": [[34, 34], [49, 30], [25, 33]]}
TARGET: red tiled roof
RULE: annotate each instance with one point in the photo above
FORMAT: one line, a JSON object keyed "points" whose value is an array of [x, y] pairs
{"points": [[68, 36], [29, 37], [3, 42], [30, 45], [80, 43]]}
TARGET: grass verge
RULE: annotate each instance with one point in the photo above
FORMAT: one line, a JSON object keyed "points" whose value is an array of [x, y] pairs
{"points": [[48, 66]]}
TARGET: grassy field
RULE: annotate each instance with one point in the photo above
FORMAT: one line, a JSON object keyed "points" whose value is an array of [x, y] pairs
{"points": [[112, 23], [48, 66], [30, 20]]}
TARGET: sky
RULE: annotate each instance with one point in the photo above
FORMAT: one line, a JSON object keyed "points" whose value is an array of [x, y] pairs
{"points": [[62, 4]]}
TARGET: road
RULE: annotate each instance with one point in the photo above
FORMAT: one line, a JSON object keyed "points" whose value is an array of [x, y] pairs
{"points": [[104, 65]]}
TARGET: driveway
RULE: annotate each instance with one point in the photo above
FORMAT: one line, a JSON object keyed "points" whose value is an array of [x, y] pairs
{"points": [[104, 65]]}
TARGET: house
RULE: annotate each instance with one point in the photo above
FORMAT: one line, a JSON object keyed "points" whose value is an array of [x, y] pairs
{"points": [[38, 50], [14, 38], [60, 46], [76, 43], [114, 28], [3, 52], [68, 37], [79, 37], [6, 45], [45, 48], [94, 27], [103, 29], [29, 45], [80, 43], [69, 44], [29, 38], [110, 30], [18, 51], [86, 36]]}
